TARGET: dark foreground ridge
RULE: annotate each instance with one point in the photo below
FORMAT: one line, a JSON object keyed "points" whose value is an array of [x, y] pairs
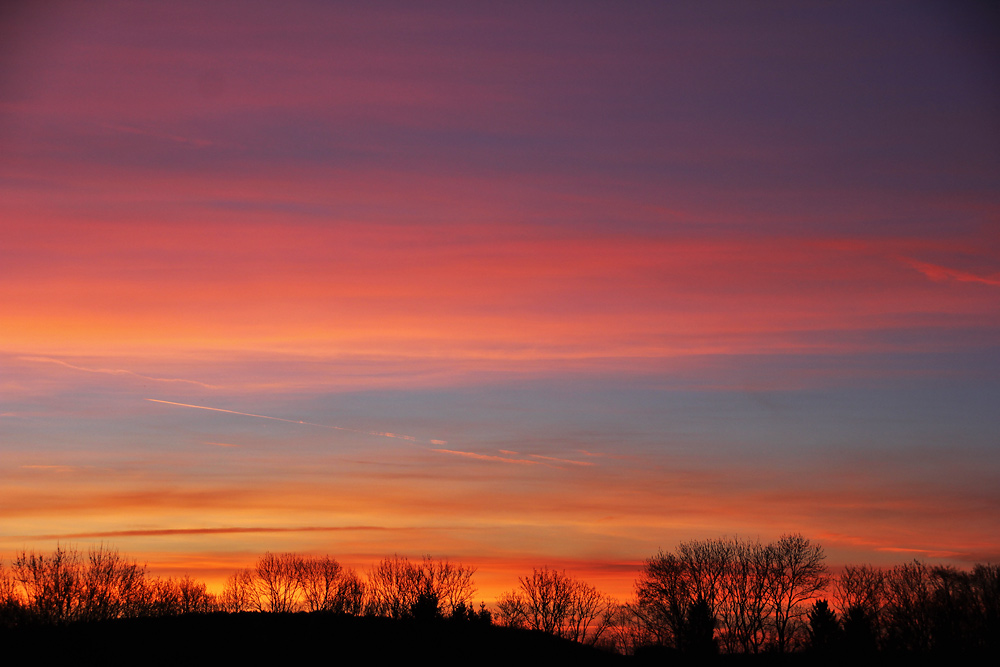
{"points": [[253, 638], [273, 638]]}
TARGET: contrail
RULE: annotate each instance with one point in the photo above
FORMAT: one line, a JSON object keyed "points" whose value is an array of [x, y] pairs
{"points": [[536, 459], [398, 436], [115, 371], [555, 458]]}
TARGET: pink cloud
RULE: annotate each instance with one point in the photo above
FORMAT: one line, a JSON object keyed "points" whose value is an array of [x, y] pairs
{"points": [[944, 274]]}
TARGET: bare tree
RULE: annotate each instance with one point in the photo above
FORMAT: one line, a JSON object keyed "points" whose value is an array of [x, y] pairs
{"points": [[799, 575], [392, 587], [239, 594], [859, 592], [750, 595], [985, 604], [195, 598], [548, 596], [51, 584], [663, 591], [65, 587], [627, 630], [11, 609], [743, 613], [8, 589], [556, 603], [327, 586], [860, 586], [909, 592], [349, 596], [320, 578], [397, 587], [707, 564], [450, 583], [700, 573], [590, 614], [162, 597], [112, 586], [512, 611], [278, 582], [289, 582]]}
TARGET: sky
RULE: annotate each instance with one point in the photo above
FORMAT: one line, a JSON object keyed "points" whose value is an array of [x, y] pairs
{"points": [[512, 284]]}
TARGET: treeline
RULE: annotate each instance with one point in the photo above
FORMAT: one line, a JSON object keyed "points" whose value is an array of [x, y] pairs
{"points": [[711, 596], [394, 588], [741, 596], [68, 586], [913, 607]]}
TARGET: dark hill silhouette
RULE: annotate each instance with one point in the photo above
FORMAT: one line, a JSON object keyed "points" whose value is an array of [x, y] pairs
{"points": [[284, 638]]}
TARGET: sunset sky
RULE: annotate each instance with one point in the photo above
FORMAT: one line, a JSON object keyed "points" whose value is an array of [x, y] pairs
{"points": [[513, 284]]}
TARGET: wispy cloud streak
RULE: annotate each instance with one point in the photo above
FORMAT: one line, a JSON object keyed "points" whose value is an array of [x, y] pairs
{"points": [[559, 460], [486, 457], [383, 434], [128, 129], [167, 532], [547, 461], [942, 273], [115, 371]]}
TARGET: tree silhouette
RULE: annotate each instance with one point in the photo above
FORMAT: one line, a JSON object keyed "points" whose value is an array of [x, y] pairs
{"points": [[627, 629], [320, 579], [349, 596], [558, 604], [512, 610], [909, 590], [756, 592], [664, 592], [825, 633], [64, 587], [12, 612], [194, 597], [860, 631], [51, 585], [397, 586], [168, 597], [747, 596], [985, 605], [278, 582], [427, 606], [548, 596], [862, 586], [698, 635], [799, 575], [463, 613], [238, 594]]}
